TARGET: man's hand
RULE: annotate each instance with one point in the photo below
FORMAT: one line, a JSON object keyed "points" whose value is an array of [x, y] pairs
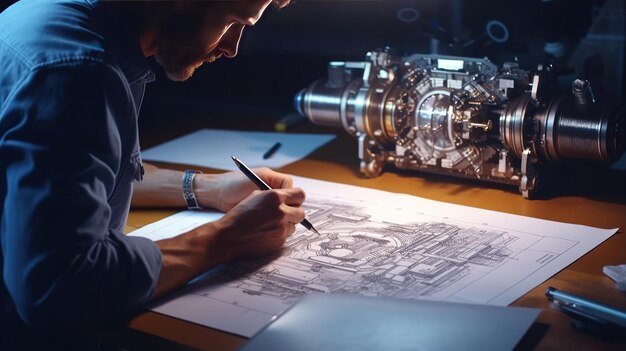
{"points": [[258, 225], [224, 191]]}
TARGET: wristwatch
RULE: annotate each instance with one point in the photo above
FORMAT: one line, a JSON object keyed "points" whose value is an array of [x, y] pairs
{"points": [[188, 194]]}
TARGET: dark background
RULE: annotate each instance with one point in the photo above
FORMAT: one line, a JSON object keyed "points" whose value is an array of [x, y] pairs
{"points": [[289, 48]]}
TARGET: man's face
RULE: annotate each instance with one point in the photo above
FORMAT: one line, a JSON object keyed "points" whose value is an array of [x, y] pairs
{"points": [[203, 31]]}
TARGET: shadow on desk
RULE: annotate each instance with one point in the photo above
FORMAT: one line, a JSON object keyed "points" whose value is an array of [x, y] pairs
{"points": [[533, 337], [127, 339]]}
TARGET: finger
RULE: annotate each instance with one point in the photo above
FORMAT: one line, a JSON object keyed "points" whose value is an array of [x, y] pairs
{"points": [[292, 214], [275, 179], [276, 197], [271, 240], [259, 248], [290, 228], [278, 226], [291, 197]]}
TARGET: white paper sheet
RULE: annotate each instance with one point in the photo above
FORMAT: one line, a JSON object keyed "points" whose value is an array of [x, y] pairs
{"points": [[212, 148], [376, 243], [384, 324]]}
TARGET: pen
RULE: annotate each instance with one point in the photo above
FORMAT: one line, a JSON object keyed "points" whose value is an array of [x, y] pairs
{"points": [[271, 151], [288, 121], [586, 309], [263, 186]]}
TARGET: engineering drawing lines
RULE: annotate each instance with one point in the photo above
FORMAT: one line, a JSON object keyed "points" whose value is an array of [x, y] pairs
{"points": [[376, 243], [357, 255]]}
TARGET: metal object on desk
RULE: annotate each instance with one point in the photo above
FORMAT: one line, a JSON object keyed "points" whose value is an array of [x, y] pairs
{"points": [[588, 314], [463, 116]]}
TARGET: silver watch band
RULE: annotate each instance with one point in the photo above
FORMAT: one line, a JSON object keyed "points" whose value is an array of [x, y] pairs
{"points": [[188, 193]]}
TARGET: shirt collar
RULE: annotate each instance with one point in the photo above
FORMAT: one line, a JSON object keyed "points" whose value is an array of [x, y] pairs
{"points": [[122, 42]]}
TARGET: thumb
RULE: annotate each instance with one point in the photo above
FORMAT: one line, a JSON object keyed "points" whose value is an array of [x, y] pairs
{"points": [[275, 179]]}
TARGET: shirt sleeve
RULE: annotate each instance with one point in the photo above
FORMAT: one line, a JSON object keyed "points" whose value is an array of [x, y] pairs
{"points": [[61, 150]]}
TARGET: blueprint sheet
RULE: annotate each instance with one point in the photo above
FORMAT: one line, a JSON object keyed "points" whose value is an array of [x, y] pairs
{"points": [[376, 243]]}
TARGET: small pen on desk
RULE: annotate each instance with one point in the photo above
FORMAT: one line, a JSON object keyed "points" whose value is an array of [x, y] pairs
{"points": [[587, 310], [263, 186], [271, 151], [289, 121]]}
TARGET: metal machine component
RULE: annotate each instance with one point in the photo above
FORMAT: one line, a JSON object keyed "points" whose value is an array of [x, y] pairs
{"points": [[462, 116]]}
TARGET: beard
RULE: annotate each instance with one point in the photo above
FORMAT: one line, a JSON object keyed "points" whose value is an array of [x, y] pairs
{"points": [[180, 69]]}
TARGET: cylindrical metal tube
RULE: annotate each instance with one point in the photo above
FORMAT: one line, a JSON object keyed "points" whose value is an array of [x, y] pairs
{"points": [[514, 124], [320, 104], [595, 133]]}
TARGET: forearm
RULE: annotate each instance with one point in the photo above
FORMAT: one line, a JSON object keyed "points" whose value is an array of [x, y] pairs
{"points": [[163, 188], [188, 255], [255, 224]]}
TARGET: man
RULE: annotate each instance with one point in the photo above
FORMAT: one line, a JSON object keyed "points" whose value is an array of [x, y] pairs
{"points": [[74, 73]]}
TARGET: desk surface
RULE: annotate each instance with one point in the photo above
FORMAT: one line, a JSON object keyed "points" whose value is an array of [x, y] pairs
{"points": [[599, 202]]}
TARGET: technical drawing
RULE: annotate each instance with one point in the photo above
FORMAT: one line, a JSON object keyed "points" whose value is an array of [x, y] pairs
{"points": [[355, 255], [377, 243]]}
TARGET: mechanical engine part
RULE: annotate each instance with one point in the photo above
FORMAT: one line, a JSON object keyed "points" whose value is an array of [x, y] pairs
{"points": [[462, 116]]}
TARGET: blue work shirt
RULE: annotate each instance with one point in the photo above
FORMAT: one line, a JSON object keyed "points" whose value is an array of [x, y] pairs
{"points": [[71, 84]]}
